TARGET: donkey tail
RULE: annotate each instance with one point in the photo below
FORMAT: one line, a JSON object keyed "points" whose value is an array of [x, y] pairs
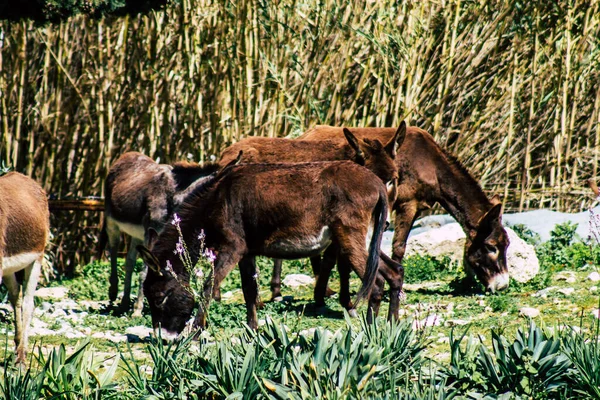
{"points": [[102, 240], [380, 216]]}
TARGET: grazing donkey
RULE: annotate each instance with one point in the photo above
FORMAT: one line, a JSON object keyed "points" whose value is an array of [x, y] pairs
{"points": [[430, 175], [276, 210], [141, 194], [371, 153], [24, 231]]}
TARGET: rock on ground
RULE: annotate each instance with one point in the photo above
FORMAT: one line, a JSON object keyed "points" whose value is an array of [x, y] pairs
{"points": [[449, 240], [297, 280]]}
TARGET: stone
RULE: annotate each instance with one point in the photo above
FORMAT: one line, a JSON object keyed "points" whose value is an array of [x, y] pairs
{"points": [[567, 276], [529, 312], [566, 291], [59, 292], [596, 313], [594, 277], [297, 280], [449, 240]]}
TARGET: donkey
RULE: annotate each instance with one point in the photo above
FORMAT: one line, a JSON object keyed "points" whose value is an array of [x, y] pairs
{"points": [[276, 210], [141, 194], [24, 231], [430, 175], [371, 153]]}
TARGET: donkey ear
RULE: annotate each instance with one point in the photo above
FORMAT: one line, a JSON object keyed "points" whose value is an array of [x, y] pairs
{"points": [[234, 162], [149, 259], [360, 157], [152, 237], [489, 221], [393, 145], [495, 200]]}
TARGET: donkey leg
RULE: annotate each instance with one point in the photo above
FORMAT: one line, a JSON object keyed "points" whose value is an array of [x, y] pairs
{"points": [[325, 267], [375, 299], [114, 237], [276, 280], [406, 213], [16, 300], [393, 272], [138, 306], [249, 275], [129, 267], [21, 298], [317, 265], [228, 256]]}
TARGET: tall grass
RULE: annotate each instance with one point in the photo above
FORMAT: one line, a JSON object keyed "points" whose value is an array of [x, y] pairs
{"points": [[509, 87]]}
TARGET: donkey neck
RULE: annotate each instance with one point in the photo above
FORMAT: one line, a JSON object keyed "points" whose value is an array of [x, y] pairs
{"points": [[461, 195]]}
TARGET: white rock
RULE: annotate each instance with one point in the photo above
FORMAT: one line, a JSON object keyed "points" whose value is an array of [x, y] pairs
{"points": [[529, 312], [296, 280], [59, 292], [566, 291], [567, 276], [594, 289], [139, 331], [544, 292], [594, 277], [596, 313], [449, 240]]}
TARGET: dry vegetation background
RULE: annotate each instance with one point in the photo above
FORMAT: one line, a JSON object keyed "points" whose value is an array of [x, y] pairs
{"points": [[511, 87]]}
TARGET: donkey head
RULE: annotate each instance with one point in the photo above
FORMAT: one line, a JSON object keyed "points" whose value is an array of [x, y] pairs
{"points": [[376, 156], [171, 303], [485, 254]]}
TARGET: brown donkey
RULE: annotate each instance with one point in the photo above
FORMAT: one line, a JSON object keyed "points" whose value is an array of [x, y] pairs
{"points": [[375, 154], [141, 194], [430, 175], [276, 210], [24, 230]]}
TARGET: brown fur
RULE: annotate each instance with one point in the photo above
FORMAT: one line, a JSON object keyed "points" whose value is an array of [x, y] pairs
{"points": [[430, 175], [141, 193], [24, 229], [276, 210]]}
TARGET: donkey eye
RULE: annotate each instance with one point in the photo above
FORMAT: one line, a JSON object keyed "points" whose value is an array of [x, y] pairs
{"points": [[491, 249]]}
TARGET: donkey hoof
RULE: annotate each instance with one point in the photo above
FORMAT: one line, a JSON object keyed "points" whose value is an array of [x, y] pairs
{"points": [[353, 313]]}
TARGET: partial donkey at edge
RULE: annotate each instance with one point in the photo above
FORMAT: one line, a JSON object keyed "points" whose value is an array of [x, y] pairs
{"points": [[24, 232]]}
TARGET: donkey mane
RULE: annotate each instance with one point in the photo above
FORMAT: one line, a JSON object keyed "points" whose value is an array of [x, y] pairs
{"points": [[185, 173], [466, 175]]}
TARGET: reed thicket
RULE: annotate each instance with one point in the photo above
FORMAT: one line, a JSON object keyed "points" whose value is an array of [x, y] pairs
{"points": [[510, 87]]}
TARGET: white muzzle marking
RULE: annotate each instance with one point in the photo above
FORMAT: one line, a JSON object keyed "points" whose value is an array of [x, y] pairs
{"points": [[499, 282]]}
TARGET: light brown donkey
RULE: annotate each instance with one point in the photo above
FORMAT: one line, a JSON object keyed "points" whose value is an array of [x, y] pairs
{"points": [[24, 229]]}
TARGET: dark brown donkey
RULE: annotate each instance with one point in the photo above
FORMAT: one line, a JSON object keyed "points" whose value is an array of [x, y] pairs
{"points": [[24, 230], [141, 194], [430, 175], [378, 156], [276, 210]]}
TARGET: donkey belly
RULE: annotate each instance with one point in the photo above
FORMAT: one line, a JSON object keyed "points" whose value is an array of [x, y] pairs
{"points": [[17, 262], [292, 247], [133, 230]]}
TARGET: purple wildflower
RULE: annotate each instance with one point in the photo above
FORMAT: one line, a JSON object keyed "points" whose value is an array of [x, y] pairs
{"points": [[169, 267], [179, 247], [210, 255], [176, 220], [201, 236], [198, 272]]}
